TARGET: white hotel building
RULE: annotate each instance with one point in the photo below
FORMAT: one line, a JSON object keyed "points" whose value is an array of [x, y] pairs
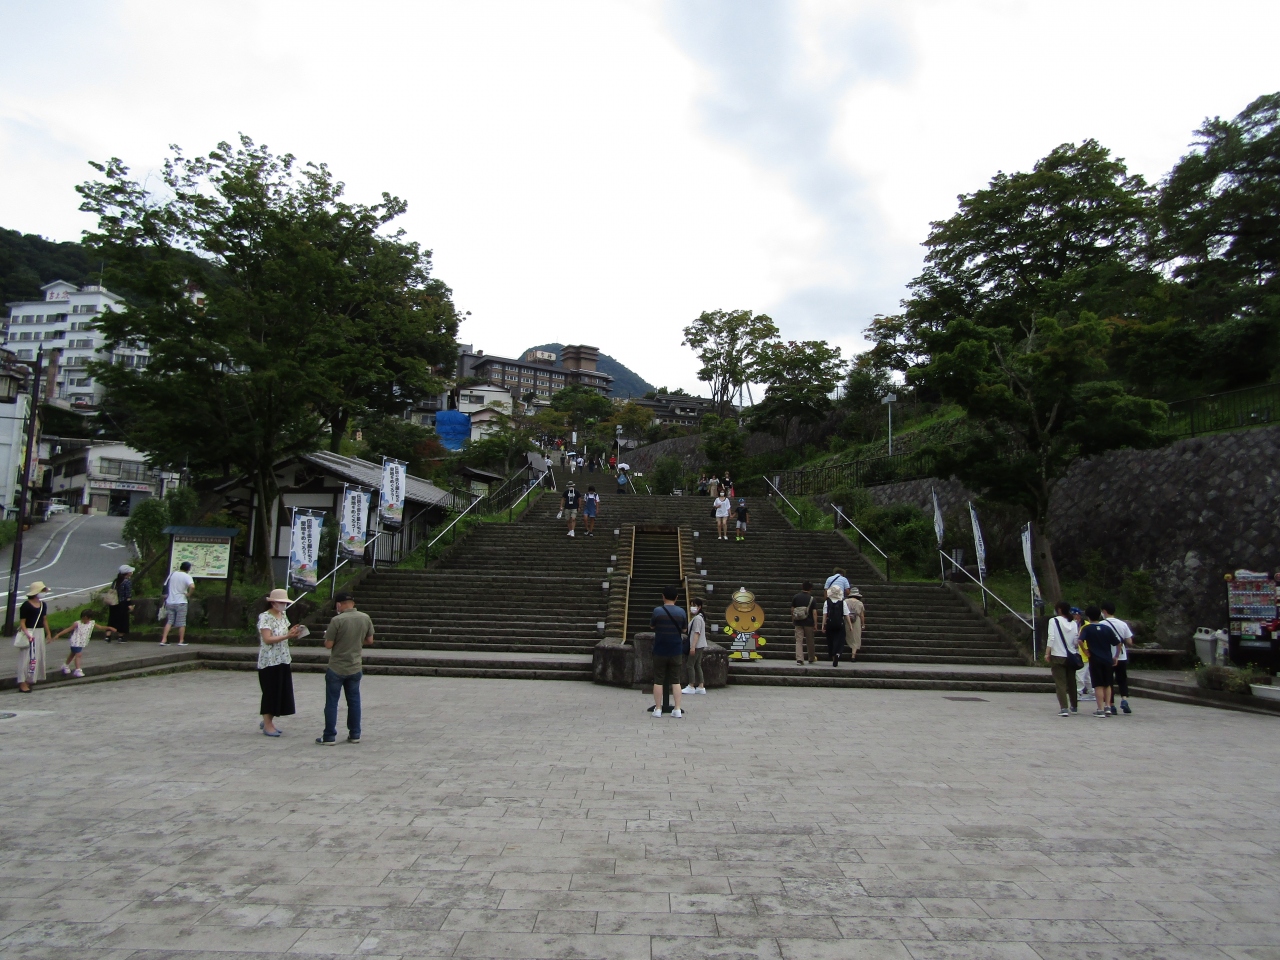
{"points": [[65, 321]]}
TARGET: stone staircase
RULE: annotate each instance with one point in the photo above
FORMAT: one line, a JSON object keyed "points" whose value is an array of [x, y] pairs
{"points": [[514, 599]]}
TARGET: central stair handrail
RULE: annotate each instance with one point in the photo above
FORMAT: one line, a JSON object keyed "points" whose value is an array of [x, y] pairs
{"points": [[626, 600], [451, 525], [888, 577], [946, 556]]}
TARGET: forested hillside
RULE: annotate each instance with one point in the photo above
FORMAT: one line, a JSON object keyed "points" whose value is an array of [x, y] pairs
{"points": [[27, 261]]}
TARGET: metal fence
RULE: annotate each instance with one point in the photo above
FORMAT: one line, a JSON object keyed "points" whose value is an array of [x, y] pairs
{"points": [[1236, 410], [857, 473], [394, 545]]}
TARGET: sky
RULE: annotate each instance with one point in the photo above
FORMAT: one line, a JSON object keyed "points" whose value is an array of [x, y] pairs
{"points": [[602, 171]]}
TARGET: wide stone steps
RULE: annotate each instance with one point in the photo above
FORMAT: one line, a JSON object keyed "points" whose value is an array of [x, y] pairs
{"points": [[762, 673]]}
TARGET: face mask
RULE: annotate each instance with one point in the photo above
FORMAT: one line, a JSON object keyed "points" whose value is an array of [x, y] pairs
{"points": [[695, 609]]}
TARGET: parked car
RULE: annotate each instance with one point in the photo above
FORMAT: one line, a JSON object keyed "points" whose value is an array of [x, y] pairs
{"points": [[56, 506]]}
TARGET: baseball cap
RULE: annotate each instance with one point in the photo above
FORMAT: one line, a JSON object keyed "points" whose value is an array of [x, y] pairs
{"points": [[343, 597]]}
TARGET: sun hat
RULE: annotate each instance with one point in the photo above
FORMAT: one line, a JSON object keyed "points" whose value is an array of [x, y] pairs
{"points": [[854, 592], [37, 587], [278, 595], [835, 592], [125, 569]]}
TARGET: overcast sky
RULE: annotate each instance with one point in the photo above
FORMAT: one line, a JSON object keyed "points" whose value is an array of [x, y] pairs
{"points": [[602, 171]]}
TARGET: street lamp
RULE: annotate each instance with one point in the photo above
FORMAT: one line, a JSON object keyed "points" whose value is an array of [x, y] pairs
{"points": [[888, 401]]}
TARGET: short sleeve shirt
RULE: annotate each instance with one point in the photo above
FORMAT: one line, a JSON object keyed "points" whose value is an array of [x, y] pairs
{"points": [[81, 633], [1122, 630], [348, 631], [805, 600], [668, 622], [722, 506], [273, 654], [179, 582], [1100, 638]]}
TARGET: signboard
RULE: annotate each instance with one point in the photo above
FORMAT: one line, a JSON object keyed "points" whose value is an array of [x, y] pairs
{"points": [[210, 557], [121, 485], [979, 545], [304, 549], [353, 523], [391, 501]]}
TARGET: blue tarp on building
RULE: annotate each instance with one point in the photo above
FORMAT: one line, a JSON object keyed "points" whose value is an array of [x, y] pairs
{"points": [[453, 427]]}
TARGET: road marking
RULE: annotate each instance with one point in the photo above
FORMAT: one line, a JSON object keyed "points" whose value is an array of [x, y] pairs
{"points": [[112, 545], [56, 557]]}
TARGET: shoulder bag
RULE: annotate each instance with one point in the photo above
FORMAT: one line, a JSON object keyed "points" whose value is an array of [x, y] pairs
{"points": [[1074, 660]]}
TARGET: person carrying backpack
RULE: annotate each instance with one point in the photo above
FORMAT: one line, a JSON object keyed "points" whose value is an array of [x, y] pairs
{"points": [[836, 623], [569, 504]]}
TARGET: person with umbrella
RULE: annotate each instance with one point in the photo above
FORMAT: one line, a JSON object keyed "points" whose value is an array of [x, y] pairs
{"points": [[32, 636]]}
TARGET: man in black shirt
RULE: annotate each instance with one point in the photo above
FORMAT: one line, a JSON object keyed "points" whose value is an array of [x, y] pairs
{"points": [[803, 608], [1102, 642], [569, 504], [669, 623]]}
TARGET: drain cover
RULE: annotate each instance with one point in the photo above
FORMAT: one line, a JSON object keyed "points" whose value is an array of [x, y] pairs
{"points": [[967, 699], [7, 716]]}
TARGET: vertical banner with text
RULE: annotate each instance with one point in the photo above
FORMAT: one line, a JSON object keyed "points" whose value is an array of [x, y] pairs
{"points": [[979, 545], [353, 523], [391, 500], [1026, 555], [304, 549]]}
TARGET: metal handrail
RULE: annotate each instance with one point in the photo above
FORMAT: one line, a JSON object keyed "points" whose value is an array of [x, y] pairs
{"points": [[533, 486], [1025, 621], [782, 495], [333, 587], [451, 526], [888, 571], [626, 598]]}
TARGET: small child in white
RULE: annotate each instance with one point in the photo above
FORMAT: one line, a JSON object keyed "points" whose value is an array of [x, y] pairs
{"points": [[80, 632]]}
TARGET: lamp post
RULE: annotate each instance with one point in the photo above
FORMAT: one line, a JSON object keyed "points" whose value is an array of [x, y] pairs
{"points": [[888, 401], [16, 569]]}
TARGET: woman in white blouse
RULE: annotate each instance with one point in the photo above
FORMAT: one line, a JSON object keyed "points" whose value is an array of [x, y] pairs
{"points": [[274, 674], [1064, 643]]}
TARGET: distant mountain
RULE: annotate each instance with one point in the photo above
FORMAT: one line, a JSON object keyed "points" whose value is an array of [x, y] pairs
{"points": [[626, 382], [28, 261]]}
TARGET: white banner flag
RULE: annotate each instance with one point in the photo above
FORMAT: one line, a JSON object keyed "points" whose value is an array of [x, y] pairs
{"points": [[937, 517], [353, 532], [979, 547], [304, 550], [391, 501], [1026, 555]]}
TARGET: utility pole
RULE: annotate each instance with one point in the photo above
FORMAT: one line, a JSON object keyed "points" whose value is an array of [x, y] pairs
{"points": [[15, 569]]}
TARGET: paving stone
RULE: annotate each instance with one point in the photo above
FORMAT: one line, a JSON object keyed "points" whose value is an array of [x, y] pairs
{"points": [[555, 821]]}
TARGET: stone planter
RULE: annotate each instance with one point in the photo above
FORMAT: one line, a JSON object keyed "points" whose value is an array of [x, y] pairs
{"points": [[1264, 691], [631, 664]]}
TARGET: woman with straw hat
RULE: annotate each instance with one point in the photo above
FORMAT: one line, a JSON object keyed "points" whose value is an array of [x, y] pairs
{"points": [[274, 674], [31, 637]]}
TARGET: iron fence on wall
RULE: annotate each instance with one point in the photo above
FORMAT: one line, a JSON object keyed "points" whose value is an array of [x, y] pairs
{"points": [[1234, 410]]}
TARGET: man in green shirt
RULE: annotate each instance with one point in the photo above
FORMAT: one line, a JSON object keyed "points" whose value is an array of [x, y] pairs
{"points": [[349, 632]]}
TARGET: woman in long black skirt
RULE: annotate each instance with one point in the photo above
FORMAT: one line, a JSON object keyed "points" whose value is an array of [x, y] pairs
{"points": [[275, 676], [118, 612], [835, 622]]}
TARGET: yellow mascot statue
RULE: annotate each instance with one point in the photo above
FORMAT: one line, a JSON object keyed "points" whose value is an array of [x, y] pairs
{"points": [[742, 621]]}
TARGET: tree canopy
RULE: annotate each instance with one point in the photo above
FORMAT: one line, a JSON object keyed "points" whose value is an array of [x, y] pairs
{"points": [[728, 343], [800, 378], [273, 309]]}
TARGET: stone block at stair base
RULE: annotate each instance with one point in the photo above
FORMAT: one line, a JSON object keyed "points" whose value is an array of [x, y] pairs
{"points": [[613, 663], [224, 615], [631, 664]]}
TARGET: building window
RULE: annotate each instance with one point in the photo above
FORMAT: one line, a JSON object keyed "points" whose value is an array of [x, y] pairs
{"points": [[25, 335], [143, 360], [124, 469], [24, 354]]}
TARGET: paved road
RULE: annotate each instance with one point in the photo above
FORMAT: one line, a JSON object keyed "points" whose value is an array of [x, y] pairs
{"points": [[71, 553]]}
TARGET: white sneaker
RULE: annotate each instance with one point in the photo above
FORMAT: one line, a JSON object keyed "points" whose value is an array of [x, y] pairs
{"points": [[77, 672], [701, 690], [66, 670], [571, 533], [687, 690], [677, 713], [656, 713]]}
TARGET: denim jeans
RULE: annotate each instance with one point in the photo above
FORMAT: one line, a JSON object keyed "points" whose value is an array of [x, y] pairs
{"points": [[335, 685]]}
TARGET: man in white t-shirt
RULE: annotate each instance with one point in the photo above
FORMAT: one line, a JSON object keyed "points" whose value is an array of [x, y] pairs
{"points": [[1121, 668], [181, 586], [721, 504]]}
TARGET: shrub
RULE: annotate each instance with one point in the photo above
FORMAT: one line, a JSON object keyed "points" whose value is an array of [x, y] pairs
{"points": [[666, 475], [1137, 592], [1229, 679]]}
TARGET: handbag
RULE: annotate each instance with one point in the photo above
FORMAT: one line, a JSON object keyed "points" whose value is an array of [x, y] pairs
{"points": [[110, 597], [20, 639], [1074, 660]]}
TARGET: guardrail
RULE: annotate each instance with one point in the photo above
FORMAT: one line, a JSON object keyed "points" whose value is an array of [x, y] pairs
{"points": [[888, 571], [782, 495], [1233, 410]]}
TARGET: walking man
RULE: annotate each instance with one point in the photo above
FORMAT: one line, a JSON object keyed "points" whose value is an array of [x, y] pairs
{"points": [[1102, 642], [837, 578], [804, 608], [569, 504], [181, 586], [1125, 636], [741, 524], [348, 633]]}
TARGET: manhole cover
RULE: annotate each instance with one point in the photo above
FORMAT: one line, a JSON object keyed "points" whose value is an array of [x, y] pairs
{"points": [[7, 716], [967, 699]]}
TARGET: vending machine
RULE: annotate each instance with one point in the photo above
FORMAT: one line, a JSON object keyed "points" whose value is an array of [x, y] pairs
{"points": [[1251, 618]]}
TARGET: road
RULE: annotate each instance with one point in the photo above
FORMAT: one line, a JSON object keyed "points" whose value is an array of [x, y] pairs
{"points": [[71, 553]]}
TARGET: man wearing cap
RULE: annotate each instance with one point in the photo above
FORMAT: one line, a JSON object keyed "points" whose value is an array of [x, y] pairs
{"points": [[181, 586], [570, 503], [348, 633]]}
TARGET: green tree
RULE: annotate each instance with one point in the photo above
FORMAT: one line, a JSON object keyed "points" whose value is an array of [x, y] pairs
{"points": [[145, 528], [1219, 219], [667, 475], [728, 343], [801, 376], [724, 443], [251, 280], [1043, 400], [581, 405], [399, 439]]}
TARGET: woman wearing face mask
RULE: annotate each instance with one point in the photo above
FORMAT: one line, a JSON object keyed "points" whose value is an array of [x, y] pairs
{"points": [[697, 646]]}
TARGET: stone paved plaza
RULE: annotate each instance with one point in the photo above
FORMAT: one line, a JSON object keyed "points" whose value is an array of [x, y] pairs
{"points": [[485, 818]]}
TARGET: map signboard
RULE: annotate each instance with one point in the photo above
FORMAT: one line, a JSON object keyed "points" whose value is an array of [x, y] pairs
{"points": [[210, 557]]}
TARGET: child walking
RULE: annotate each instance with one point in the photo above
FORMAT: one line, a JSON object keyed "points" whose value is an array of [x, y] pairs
{"points": [[80, 632]]}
